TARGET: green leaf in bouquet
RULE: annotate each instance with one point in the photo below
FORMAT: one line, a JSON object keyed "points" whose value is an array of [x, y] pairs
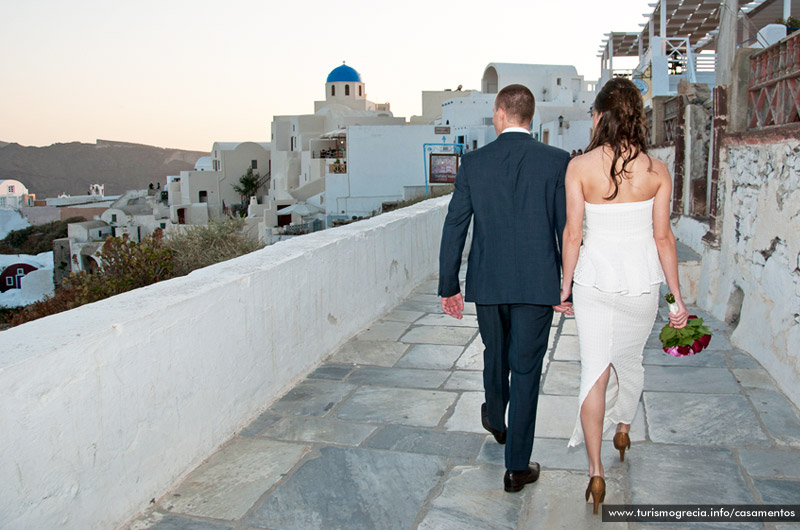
{"points": [[670, 298], [668, 333]]}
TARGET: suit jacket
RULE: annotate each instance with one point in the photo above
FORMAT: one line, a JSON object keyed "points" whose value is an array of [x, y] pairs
{"points": [[514, 189]]}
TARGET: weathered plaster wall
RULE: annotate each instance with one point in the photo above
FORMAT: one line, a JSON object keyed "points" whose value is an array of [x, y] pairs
{"points": [[104, 407], [755, 273]]}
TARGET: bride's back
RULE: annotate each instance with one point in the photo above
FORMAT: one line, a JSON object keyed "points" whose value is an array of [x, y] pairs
{"points": [[640, 182]]}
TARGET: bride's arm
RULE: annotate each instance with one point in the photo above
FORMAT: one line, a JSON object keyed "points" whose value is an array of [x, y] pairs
{"points": [[573, 230], [665, 242]]}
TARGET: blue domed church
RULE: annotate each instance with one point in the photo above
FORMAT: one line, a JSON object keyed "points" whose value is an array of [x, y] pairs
{"points": [[345, 87]]}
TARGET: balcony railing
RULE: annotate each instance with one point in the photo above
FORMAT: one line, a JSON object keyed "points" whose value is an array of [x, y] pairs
{"points": [[775, 84]]}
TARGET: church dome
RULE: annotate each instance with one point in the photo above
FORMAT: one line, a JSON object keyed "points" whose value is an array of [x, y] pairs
{"points": [[343, 74]]}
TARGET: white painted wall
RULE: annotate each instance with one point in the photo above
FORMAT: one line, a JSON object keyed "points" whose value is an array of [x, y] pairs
{"points": [[381, 160], [107, 406], [759, 253]]}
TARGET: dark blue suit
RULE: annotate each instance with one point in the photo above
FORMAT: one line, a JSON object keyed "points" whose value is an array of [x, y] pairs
{"points": [[513, 189]]}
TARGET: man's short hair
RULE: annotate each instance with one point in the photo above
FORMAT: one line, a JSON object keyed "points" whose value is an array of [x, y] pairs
{"points": [[518, 102]]}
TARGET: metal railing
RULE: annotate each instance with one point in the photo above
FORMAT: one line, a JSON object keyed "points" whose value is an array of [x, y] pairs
{"points": [[775, 84]]}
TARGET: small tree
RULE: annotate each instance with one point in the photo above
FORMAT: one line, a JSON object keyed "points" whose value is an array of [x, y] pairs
{"points": [[249, 184]]}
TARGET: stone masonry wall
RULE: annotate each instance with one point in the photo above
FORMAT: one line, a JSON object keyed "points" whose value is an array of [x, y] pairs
{"points": [[754, 276]]}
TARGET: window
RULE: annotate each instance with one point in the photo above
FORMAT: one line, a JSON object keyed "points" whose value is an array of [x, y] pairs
{"points": [[163, 225], [359, 90], [333, 90], [113, 218], [558, 81], [474, 144], [203, 196], [9, 281], [254, 164], [20, 272], [11, 189], [347, 90]]}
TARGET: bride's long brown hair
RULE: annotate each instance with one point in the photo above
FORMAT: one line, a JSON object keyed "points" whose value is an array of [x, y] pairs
{"points": [[622, 127]]}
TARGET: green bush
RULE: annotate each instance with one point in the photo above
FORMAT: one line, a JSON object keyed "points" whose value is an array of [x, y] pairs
{"points": [[36, 239], [201, 246], [127, 265]]}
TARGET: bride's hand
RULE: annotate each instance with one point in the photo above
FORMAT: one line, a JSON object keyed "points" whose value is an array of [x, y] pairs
{"points": [[678, 320], [565, 307]]}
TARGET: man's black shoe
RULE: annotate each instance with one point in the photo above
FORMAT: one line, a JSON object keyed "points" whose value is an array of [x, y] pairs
{"points": [[500, 436], [516, 480]]}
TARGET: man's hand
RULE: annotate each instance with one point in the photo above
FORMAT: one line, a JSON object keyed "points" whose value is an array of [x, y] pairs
{"points": [[565, 307], [453, 305]]}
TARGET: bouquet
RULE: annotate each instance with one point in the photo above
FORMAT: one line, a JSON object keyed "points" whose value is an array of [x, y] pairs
{"points": [[686, 341]]}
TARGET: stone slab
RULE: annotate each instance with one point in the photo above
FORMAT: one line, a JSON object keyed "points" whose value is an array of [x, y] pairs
{"points": [[429, 298], [702, 419], [779, 416], [439, 335], [778, 491], [351, 488], [312, 398], [384, 331], [563, 378], [376, 353], [232, 480], [159, 521], [690, 379], [664, 474], [467, 321], [392, 405], [754, 378], [555, 416], [567, 349], [257, 426], [302, 429], [399, 377], [743, 360], [426, 441], [470, 309], [775, 463], [552, 453], [473, 498], [431, 356], [467, 414], [556, 502], [465, 380], [422, 307], [568, 326], [333, 372], [398, 315], [472, 358], [427, 287], [705, 358]]}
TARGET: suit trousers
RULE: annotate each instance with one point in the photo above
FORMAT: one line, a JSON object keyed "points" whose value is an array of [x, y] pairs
{"points": [[515, 337]]}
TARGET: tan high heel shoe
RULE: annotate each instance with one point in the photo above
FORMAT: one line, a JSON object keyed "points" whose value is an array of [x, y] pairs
{"points": [[621, 442], [597, 489]]}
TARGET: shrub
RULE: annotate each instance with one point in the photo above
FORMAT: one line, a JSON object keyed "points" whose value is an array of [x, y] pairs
{"points": [[127, 265], [36, 239], [201, 246]]}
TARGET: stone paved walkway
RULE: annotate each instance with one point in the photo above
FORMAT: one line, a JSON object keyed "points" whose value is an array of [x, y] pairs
{"points": [[386, 434]]}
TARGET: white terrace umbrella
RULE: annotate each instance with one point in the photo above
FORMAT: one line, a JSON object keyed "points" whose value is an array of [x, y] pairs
{"points": [[302, 209]]}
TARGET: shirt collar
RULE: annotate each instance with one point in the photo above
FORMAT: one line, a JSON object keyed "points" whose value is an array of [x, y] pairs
{"points": [[515, 129]]}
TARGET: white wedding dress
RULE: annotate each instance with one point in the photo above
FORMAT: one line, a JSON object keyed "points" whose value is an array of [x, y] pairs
{"points": [[615, 296]]}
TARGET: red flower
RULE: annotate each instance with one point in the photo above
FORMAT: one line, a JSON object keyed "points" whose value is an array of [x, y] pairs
{"points": [[697, 346], [692, 317], [684, 350], [704, 340]]}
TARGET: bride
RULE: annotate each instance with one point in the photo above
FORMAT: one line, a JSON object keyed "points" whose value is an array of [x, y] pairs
{"points": [[628, 250]]}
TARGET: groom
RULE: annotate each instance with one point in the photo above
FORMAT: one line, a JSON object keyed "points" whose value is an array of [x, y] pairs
{"points": [[513, 191]]}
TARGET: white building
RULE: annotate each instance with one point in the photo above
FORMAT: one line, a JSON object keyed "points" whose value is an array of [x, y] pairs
{"points": [[14, 194], [563, 101], [347, 158], [207, 192]]}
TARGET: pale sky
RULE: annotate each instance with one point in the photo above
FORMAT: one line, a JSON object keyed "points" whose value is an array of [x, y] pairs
{"points": [[184, 74]]}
